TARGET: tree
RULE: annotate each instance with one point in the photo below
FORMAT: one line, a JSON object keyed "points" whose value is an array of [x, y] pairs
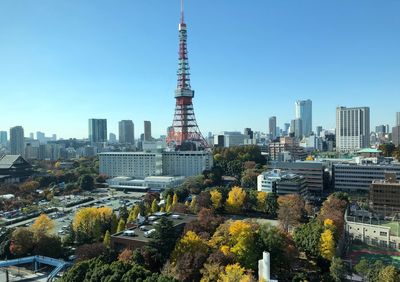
{"points": [[121, 225], [49, 246], [333, 208], [126, 255], [327, 245], [43, 225], [193, 204], [262, 201], [389, 274], [123, 213], [235, 273], [337, 269], [307, 238], [30, 186], [236, 200], [22, 241], [271, 205], [107, 239], [133, 214], [154, 206], [175, 199], [189, 255], [162, 241], [216, 199], [86, 182], [279, 246], [291, 211], [387, 149]]}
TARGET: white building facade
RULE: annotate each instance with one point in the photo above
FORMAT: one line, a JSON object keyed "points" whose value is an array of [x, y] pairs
{"points": [[186, 163], [130, 164]]}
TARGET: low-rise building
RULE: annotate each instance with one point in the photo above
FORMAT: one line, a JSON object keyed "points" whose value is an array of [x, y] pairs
{"points": [[372, 231], [14, 168], [313, 172], [140, 234], [354, 177], [281, 183], [384, 195], [153, 183]]}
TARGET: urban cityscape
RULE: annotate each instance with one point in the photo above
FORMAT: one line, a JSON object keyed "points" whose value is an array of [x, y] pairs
{"points": [[310, 195]]}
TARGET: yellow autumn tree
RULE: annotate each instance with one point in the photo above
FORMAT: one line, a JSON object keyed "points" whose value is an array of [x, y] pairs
{"points": [[190, 243], [327, 245], [262, 201], [43, 224], [154, 206], [235, 273], [107, 239], [86, 220], [216, 198], [236, 200], [121, 225], [193, 204], [175, 200], [133, 214]]}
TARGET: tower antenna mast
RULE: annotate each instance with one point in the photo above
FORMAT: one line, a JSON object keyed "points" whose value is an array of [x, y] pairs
{"points": [[182, 15]]}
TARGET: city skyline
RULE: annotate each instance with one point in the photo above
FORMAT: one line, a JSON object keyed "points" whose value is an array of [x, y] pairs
{"points": [[41, 58]]}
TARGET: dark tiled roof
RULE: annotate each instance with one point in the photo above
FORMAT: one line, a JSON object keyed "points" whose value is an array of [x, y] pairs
{"points": [[7, 161]]}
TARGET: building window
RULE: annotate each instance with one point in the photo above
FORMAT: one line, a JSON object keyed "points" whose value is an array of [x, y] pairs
{"points": [[382, 233]]}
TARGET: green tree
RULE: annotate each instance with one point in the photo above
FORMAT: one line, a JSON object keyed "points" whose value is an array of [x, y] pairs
{"points": [[86, 182], [337, 270], [389, 274], [307, 238]]}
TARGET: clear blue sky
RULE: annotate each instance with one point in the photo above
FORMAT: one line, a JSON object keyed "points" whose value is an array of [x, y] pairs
{"points": [[64, 61]]}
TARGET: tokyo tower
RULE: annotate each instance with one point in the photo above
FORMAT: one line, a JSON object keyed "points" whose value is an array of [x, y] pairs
{"points": [[184, 134]]}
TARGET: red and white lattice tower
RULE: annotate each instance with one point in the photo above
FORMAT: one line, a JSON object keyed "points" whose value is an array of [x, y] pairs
{"points": [[184, 134]]}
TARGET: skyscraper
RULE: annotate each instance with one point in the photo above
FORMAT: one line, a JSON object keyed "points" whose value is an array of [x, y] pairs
{"points": [[352, 128], [3, 137], [126, 132], [296, 127], [97, 130], [398, 119], [303, 109], [272, 127], [319, 130], [147, 130], [184, 134], [112, 138], [17, 142]]}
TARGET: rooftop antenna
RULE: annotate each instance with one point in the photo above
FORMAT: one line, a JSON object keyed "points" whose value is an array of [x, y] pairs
{"points": [[182, 16]]}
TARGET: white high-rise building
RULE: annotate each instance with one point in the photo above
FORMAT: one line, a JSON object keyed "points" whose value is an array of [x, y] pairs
{"points": [[303, 111], [352, 128], [398, 119]]}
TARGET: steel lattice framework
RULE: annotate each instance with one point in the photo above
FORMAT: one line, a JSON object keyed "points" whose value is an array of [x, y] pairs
{"points": [[184, 134]]}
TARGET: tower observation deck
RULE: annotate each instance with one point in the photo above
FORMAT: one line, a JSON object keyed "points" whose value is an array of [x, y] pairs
{"points": [[184, 134]]}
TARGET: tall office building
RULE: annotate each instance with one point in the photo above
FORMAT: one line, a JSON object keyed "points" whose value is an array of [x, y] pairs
{"points": [[352, 128], [248, 132], [41, 137], [3, 137], [303, 111], [398, 119], [147, 130], [126, 132], [112, 138], [296, 127], [17, 142], [272, 127], [97, 130], [396, 135], [319, 130]]}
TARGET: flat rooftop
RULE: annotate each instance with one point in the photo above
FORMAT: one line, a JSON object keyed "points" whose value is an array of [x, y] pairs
{"points": [[151, 222]]}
